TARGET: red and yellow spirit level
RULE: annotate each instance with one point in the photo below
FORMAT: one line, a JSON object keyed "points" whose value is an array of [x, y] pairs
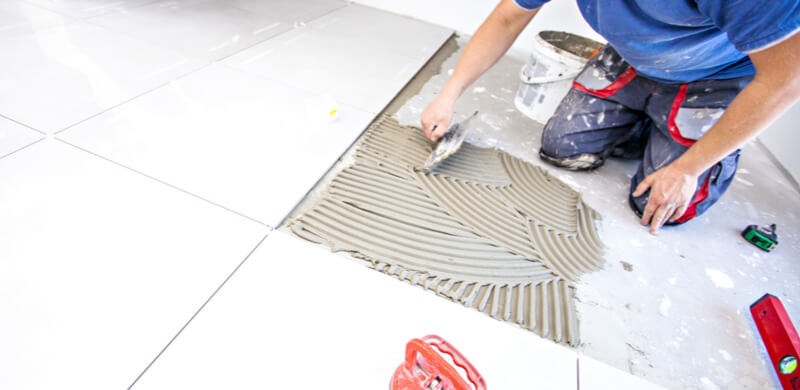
{"points": [[780, 338], [426, 369]]}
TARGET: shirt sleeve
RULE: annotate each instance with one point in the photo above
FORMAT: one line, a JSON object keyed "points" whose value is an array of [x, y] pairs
{"points": [[752, 25], [530, 4]]}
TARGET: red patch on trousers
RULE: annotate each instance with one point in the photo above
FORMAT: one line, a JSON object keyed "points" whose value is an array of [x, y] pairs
{"points": [[700, 196], [673, 113], [622, 81]]}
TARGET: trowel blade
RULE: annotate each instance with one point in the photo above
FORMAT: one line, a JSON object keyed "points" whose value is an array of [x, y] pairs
{"points": [[449, 144]]}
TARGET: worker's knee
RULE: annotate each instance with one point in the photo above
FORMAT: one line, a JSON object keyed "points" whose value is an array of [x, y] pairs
{"points": [[711, 185], [562, 150], [556, 144], [637, 203]]}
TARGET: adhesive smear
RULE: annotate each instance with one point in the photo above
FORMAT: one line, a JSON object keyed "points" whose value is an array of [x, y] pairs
{"points": [[483, 229]]}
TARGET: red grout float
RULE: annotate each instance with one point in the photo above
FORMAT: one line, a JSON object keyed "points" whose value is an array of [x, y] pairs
{"points": [[426, 369], [780, 337]]}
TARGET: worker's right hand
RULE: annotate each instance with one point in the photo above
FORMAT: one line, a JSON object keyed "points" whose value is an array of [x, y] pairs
{"points": [[437, 117]]}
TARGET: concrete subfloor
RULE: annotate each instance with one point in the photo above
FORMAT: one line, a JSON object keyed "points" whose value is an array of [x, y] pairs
{"points": [[672, 309]]}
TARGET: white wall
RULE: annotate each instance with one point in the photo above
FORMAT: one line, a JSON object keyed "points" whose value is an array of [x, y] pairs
{"points": [[465, 16], [783, 140]]}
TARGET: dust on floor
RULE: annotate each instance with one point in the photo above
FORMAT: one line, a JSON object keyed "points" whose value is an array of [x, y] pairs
{"points": [[672, 309]]}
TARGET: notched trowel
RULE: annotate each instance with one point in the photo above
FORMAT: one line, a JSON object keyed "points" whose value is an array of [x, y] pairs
{"points": [[449, 144]]}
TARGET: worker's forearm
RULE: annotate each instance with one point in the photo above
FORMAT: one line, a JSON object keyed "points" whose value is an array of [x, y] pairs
{"points": [[774, 89], [489, 43], [755, 108]]}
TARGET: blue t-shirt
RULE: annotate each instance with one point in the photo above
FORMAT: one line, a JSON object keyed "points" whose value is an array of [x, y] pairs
{"points": [[678, 41]]}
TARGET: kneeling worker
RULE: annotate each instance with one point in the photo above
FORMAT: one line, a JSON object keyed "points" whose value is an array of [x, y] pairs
{"points": [[682, 84]]}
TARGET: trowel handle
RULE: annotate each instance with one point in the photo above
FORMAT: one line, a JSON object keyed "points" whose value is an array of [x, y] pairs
{"points": [[444, 347]]}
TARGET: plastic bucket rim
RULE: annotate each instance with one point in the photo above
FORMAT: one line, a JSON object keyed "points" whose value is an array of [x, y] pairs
{"points": [[561, 64]]}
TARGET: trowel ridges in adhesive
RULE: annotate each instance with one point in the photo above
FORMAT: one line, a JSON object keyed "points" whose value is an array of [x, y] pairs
{"points": [[374, 237], [571, 255], [540, 196], [483, 229], [475, 165], [484, 211]]}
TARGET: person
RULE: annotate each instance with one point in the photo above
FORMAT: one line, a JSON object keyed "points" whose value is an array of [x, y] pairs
{"points": [[683, 84]]}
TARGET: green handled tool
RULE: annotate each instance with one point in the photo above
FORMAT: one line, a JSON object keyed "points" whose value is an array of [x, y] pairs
{"points": [[763, 237]]}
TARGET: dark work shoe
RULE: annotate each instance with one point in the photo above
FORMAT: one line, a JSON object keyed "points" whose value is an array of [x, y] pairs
{"points": [[579, 162]]}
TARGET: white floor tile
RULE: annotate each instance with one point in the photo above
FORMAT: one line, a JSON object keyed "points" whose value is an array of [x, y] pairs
{"points": [[252, 145], [205, 29], [297, 316], [363, 76], [366, 73], [63, 75], [595, 375], [100, 267], [89, 8], [390, 31], [14, 137], [18, 17], [290, 10]]}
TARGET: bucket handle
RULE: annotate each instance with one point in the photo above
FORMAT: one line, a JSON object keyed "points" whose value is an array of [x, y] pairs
{"points": [[546, 79]]}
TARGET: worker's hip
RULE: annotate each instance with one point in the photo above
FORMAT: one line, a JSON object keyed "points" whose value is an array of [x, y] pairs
{"points": [[687, 111], [613, 111]]}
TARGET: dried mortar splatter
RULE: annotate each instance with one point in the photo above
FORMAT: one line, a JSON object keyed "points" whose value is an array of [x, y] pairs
{"points": [[484, 229]]}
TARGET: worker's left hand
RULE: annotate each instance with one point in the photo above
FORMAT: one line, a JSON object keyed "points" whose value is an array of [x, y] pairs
{"points": [[671, 191]]}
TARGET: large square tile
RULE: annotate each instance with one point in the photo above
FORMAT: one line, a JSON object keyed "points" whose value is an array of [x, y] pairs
{"points": [[100, 267], [62, 75], [19, 17], [210, 29], [293, 11], [366, 73], [365, 77], [295, 316], [401, 34], [252, 145], [14, 137], [89, 8]]}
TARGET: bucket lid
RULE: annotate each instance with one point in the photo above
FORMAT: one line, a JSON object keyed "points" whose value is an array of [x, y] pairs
{"points": [[570, 45], [558, 55]]}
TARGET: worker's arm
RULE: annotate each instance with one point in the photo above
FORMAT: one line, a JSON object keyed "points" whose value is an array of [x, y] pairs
{"points": [[774, 89], [489, 43]]}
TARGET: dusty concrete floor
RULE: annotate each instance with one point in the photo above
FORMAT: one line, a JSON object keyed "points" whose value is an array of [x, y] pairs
{"points": [[677, 312]]}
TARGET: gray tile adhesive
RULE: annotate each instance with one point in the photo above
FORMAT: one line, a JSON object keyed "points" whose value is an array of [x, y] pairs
{"points": [[484, 228]]}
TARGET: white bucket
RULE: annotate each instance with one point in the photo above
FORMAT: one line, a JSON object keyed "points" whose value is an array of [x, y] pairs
{"points": [[556, 59]]}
